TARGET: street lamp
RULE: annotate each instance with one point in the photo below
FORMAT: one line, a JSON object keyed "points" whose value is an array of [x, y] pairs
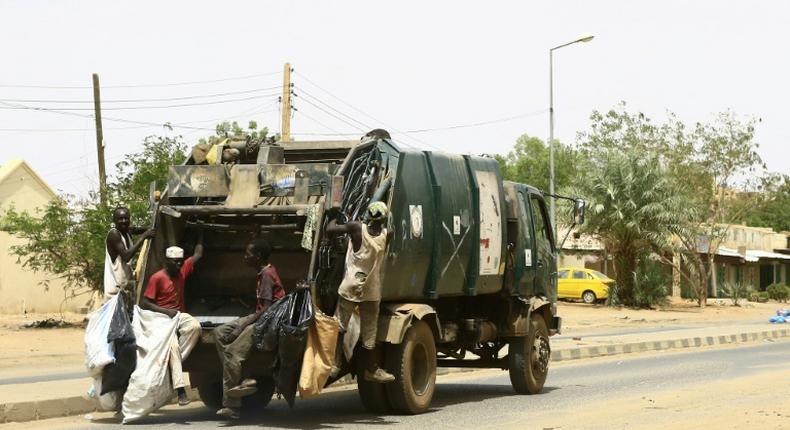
{"points": [[584, 38]]}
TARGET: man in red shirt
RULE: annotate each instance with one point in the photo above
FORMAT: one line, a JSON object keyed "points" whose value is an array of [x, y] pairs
{"points": [[165, 294], [234, 339]]}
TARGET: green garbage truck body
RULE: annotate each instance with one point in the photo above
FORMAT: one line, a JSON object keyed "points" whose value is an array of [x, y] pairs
{"points": [[470, 273]]}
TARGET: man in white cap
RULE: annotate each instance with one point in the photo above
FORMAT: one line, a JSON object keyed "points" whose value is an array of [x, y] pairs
{"points": [[165, 294], [361, 285]]}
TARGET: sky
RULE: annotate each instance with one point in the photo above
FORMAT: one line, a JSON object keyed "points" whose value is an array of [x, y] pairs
{"points": [[455, 76]]}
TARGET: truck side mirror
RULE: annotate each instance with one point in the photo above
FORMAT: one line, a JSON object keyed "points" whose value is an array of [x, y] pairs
{"points": [[579, 206]]}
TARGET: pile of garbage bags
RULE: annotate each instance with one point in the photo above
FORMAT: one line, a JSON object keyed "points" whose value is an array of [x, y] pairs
{"points": [[782, 316], [282, 331], [130, 360]]}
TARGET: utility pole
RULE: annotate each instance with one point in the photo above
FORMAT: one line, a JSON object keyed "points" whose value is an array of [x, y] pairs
{"points": [[285, 129], [99, 139]]}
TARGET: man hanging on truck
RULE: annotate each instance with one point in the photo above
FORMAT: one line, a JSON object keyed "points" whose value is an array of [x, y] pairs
{"points": [[361, 284], [234, 339], [119, 251], [165, 294]]}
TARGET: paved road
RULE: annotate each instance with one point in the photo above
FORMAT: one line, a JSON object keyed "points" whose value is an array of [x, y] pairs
{"points": [[486, 399]]}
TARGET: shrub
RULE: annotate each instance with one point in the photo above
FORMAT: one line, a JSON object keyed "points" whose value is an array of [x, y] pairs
{"points": [[778, 292], [736, 291], [650, 283], [758, 297]]}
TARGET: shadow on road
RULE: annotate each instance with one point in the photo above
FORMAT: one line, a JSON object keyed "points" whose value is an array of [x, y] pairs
{"points": [[327, 411]]}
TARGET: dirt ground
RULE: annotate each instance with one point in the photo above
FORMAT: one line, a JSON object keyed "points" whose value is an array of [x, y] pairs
{"points": [[60, 348], [582, 318]]}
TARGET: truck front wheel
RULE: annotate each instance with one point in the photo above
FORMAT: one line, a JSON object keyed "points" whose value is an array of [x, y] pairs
{"points": [[373, 395], [413, 362], [528, 358]]}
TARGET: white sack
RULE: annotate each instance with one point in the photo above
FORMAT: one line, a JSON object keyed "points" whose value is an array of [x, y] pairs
{"points": [[106, 402], [99, 352], [150, 386]]}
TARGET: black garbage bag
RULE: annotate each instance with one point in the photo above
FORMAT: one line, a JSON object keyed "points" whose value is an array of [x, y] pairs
{"points": [[115, 376], [266, 330], [292, 340]]}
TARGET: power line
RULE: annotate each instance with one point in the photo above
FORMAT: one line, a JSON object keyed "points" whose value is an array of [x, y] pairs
{"points": [[477, 124], [253, 111], [241, 99], [332, 115], [159, 85], [365, 113], [201, 96], [302, 90]]}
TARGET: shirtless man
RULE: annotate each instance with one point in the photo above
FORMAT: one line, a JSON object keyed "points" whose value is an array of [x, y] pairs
{"points": [[119, 251]]}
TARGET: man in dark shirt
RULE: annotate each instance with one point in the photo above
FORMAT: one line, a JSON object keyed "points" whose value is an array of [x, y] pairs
{"points": [[165, 294], [234, 339]]}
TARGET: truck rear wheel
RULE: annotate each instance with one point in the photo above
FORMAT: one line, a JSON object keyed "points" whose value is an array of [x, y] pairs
{"points": [[528, 358], [211, 395], [373, 395], [413, 362]]}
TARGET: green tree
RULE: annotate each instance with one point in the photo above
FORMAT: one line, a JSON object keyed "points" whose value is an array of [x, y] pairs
{"points": [[66, 237], [528, 163], [633, 204], [773, 209]]}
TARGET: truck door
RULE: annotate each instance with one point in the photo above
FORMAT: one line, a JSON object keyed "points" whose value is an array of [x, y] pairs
{"points": [[525, 256], [545, 264]]}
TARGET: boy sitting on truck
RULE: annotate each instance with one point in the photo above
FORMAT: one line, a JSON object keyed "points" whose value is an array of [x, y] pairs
{"points": [[361, 285], [234, 339], [165, 294]]}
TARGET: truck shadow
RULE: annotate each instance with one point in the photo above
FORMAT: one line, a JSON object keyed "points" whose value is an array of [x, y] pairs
{"points": [[331, 410]]}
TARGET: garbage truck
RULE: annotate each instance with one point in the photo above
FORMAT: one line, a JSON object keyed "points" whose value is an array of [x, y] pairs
{"points": [[469, 278]]}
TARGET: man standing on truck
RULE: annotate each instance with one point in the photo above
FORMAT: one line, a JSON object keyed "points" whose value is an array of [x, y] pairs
{"points": [[234, 339], [119, 251], [165, 294], [361, 285]]}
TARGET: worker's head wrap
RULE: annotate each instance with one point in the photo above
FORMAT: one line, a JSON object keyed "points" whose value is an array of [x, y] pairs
{"points": [[377, 210], [174, 252]]}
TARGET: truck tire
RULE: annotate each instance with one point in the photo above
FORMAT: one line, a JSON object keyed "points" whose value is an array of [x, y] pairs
{"points": [[529, 358], [262, 397], [373, 395], [413, 362], [211, 394]]}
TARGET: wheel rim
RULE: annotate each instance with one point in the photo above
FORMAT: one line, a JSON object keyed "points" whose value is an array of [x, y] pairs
{"points": [[589, 297], [541, 355], [419, 369]]}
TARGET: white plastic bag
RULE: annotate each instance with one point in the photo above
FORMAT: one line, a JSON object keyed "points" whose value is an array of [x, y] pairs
{"points": [[99, 352], [150, 386], [106, 402]]}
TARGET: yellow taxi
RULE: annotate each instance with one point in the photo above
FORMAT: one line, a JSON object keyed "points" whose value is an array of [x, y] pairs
{"points": [[586, 284]]}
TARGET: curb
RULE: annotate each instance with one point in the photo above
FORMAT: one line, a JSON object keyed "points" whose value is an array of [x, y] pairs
{"points": [[77, 405], [691, 342]]}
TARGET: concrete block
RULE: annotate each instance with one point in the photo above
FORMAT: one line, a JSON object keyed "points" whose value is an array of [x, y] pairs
{"points": [[20, 412], [51, 409]]}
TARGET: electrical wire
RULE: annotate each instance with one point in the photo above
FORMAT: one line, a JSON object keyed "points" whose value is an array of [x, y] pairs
{"points": [[332, 115], [104, 101], [149, 107], [302, 91], [160, 85]]}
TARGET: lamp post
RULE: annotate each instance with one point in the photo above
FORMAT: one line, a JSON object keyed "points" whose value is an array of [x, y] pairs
{"points": [[585, 38]]}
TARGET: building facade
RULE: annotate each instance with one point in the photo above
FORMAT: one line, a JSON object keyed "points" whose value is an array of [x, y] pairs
{"points": [[21, 290]]}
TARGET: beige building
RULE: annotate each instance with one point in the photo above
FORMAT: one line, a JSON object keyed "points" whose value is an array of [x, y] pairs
{"points": [[20, 288]]}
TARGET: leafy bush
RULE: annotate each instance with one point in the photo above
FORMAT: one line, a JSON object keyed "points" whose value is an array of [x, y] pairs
{"points": [[778, 292], [758, 297], [650, 283], [736, 291]]}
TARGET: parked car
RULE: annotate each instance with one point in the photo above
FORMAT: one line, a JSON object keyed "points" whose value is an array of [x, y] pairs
{"points": [[586, 284]]}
